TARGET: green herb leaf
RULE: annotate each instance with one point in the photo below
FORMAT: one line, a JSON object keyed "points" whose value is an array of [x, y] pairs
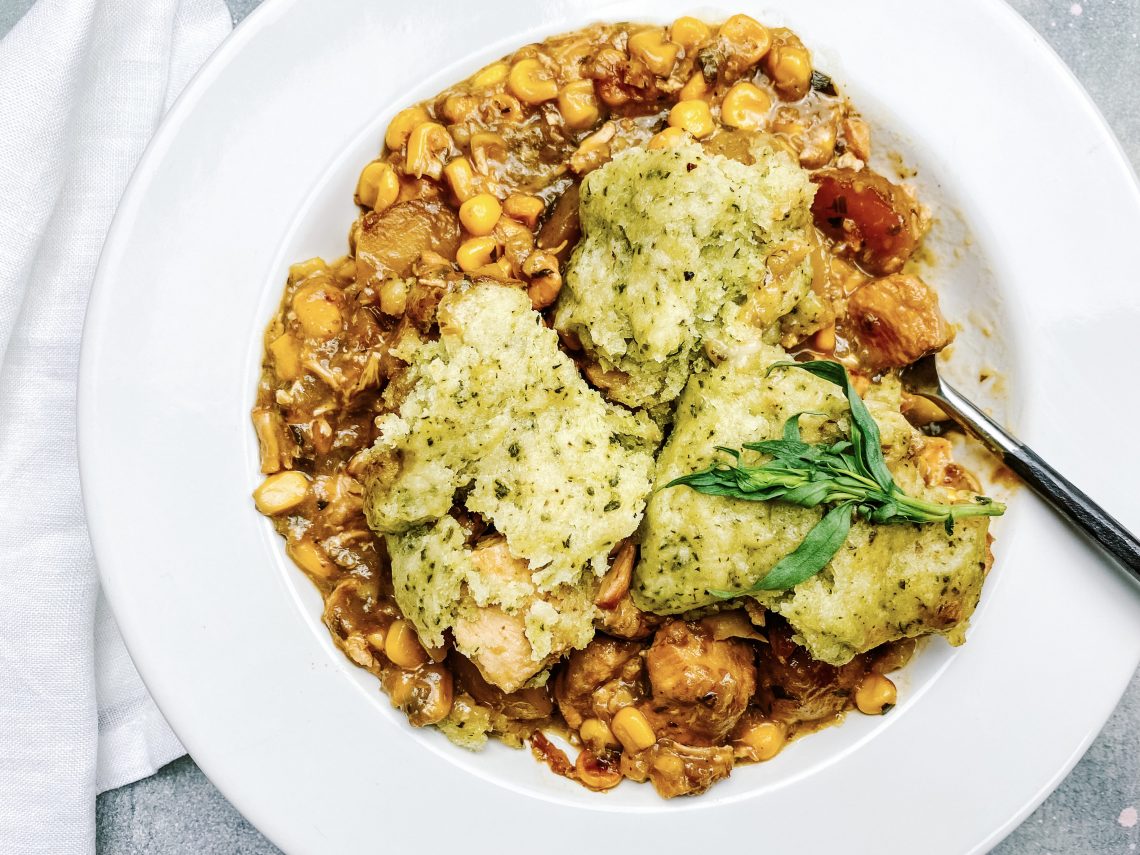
{"points": [[821, 82], [815, 550]]}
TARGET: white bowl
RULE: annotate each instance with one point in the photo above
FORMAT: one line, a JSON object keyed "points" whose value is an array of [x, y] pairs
{"points": [[254, 168]]}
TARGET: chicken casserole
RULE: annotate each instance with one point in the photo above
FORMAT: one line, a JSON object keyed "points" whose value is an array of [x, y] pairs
{"points": [[569, 303]]}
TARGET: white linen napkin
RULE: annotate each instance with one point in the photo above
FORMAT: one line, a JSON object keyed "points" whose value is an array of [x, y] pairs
{"points": [[83, 85]]}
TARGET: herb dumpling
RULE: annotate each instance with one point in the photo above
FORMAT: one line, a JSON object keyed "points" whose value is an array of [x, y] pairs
{"points": [[498, 422], [887, 581], [680, 245]]}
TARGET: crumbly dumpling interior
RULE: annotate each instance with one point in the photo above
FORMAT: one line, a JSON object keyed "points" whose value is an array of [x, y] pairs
{"points": [[678, 246], [498, 421], [887, 582]]}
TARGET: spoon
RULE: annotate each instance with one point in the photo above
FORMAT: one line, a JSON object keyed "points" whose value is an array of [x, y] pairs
{"points": [[921, 378]]}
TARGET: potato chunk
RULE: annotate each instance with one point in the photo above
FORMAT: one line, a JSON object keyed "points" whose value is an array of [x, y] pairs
{"points": [[895, 321], [389, 242]]}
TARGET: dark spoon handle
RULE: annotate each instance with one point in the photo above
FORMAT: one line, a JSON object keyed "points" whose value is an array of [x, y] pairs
{"points": [[1089, 517]]}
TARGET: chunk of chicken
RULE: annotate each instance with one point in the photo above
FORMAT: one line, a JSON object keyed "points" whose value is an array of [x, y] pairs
{"points": [[796, 688], [876, 222], [896, 320], [600, 679], [492, 557], [496, 642], [700, 686]]}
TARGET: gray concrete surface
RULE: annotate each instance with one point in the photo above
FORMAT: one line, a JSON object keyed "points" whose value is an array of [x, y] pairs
{"points": [[1094, 810]]}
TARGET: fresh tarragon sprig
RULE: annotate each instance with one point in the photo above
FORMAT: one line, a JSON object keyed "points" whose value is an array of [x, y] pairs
{"points": [[849, 476]]}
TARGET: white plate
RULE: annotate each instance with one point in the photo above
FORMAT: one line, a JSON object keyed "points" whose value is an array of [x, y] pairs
{"points": [[254, 167]]}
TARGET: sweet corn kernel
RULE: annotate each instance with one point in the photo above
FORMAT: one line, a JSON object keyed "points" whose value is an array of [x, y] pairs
{"points": [[460, 108], [632, 729], [693, 116], [281, 492], [824, 339], [689, 32], [402, 124], [316, 309], [745, 106], [747, 39], [427, 144], [696, 88], [378, 186], [506, 107], [668, 138], [393, 297], [597, 735], [596, 773], [875, 695], [305, 269], [345, 270], [460, 178], [480, 213], [789, 67], [487, 144], [655, 50], [402, 646], [526, 209], [578, 104], [765, 738], [474, 253], [286, 352], [492, 75], [531, 83], [310, 558]]}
